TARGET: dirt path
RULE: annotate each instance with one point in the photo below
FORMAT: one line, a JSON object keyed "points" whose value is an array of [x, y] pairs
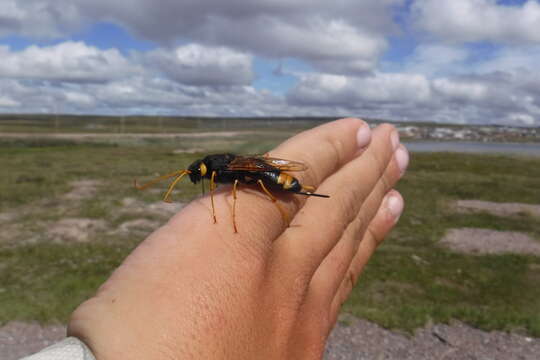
{"points": [[359, 340], [82, 136], [365, 340]]}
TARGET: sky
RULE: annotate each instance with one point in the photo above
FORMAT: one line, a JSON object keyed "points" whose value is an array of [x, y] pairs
{"points": [[447, 61]]}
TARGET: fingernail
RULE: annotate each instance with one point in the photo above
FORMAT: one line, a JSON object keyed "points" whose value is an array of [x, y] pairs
{"points": [[394, 204], [363, 136], [394, 137], [402, 158]]}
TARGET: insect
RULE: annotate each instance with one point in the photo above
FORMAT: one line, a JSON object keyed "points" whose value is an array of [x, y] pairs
{"points": [[268, 173]]}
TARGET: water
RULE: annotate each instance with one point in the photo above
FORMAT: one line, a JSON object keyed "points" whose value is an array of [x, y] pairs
{"points": [[475, 147]]}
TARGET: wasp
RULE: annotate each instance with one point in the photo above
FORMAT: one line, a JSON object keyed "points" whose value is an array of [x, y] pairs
{"points": [[269, 173]]}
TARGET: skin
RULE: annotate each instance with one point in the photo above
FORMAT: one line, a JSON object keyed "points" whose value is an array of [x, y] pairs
{"points": [[197, 290]]}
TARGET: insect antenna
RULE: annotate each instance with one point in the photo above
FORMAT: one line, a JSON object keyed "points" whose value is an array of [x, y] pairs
{"points": [[158, 179], [312, 194], [173, 184]]}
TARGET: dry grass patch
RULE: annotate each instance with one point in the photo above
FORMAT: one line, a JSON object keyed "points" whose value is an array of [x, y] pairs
{"points": [[485, 241], [76, 229], [496, 208], [82, 189]]}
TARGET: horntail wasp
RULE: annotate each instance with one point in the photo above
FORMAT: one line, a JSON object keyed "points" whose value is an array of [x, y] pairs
{"points": [[267, 172]]}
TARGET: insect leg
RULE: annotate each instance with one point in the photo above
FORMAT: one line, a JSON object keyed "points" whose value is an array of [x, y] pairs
{"points": [[212, 187], [171, 187], [274, 200], [234, 205], [308, 188]]}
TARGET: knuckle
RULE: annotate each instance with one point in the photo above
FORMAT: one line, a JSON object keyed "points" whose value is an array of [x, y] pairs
{"points": [[338, 263], [380, 163], [387, 127], [347, 210], [385, 183], [334, 151], [373, 236], [361, 222]]}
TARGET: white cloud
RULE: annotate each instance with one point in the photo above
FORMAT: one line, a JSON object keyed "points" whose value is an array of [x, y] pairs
{"points": [[325, 89], [202, 65], [521, 119], [510, 59], [479, 20], [332, 45], [461, 90], [68, 61], [343, 37], [478, 98], [6, 102], [433, 59]]}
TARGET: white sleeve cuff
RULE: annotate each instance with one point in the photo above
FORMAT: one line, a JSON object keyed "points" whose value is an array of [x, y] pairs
{"points": [[70, 348]]}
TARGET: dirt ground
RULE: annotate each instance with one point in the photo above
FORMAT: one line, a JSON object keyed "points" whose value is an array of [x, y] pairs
{"points": [[457, 341], [80, 229], [487, 241], [83, 136], [355, 339], [497, 209]]}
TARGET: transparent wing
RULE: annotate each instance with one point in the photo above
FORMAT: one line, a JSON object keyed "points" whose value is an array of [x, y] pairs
{"points": [[264, 163]]}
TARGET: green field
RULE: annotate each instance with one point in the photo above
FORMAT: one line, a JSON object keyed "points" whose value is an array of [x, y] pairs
{"points": [[410, 281]]}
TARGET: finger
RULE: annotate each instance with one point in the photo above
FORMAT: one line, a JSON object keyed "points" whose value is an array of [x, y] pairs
{"points": [[318, 226], [384, 221], [335, 266], [326, 148]]}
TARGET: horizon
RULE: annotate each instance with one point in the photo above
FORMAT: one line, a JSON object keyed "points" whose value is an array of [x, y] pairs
{"points": [[299, 118]]}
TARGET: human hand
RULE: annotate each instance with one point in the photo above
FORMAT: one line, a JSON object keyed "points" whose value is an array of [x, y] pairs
{"points": [[197, 290]]}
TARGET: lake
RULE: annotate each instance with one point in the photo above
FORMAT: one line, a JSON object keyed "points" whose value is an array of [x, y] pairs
{"points": [[530, 149]]}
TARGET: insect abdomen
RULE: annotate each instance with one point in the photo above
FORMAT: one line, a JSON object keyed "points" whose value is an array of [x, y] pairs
{"points": [[283, 181]]}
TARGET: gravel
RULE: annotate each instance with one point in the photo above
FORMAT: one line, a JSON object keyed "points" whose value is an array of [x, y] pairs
{"points": [[18, 339], [365, 340], [358, 339]]}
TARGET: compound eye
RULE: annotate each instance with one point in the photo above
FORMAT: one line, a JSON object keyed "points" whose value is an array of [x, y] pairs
{"points": [[203, 169]]}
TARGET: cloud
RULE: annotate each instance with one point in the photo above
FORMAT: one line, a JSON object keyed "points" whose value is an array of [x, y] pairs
{"points": [[478, 98], [344, 37], [144, 93], [68, 61], [478, 20], [197, 65], [207, 53], [39, 19], [432, 59], [510, 59], [461, 90], [356, 92]]}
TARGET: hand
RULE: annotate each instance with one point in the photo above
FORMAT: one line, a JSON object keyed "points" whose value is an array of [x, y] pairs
{"points": [[197, 290]]}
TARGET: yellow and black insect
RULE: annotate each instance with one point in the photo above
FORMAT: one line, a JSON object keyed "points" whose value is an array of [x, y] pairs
{"points": [[267, 172]]}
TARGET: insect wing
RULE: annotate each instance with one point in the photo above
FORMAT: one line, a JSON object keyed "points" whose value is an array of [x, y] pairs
{"points": [[285, 165], [264, 163]]}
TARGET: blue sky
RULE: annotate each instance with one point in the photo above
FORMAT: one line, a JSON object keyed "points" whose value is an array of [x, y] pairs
{"points": [[460, 61]]}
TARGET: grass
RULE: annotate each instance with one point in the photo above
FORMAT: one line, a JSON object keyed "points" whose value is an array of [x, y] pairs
{"points": [[409, 282], [41, 124], [412, 281]]}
